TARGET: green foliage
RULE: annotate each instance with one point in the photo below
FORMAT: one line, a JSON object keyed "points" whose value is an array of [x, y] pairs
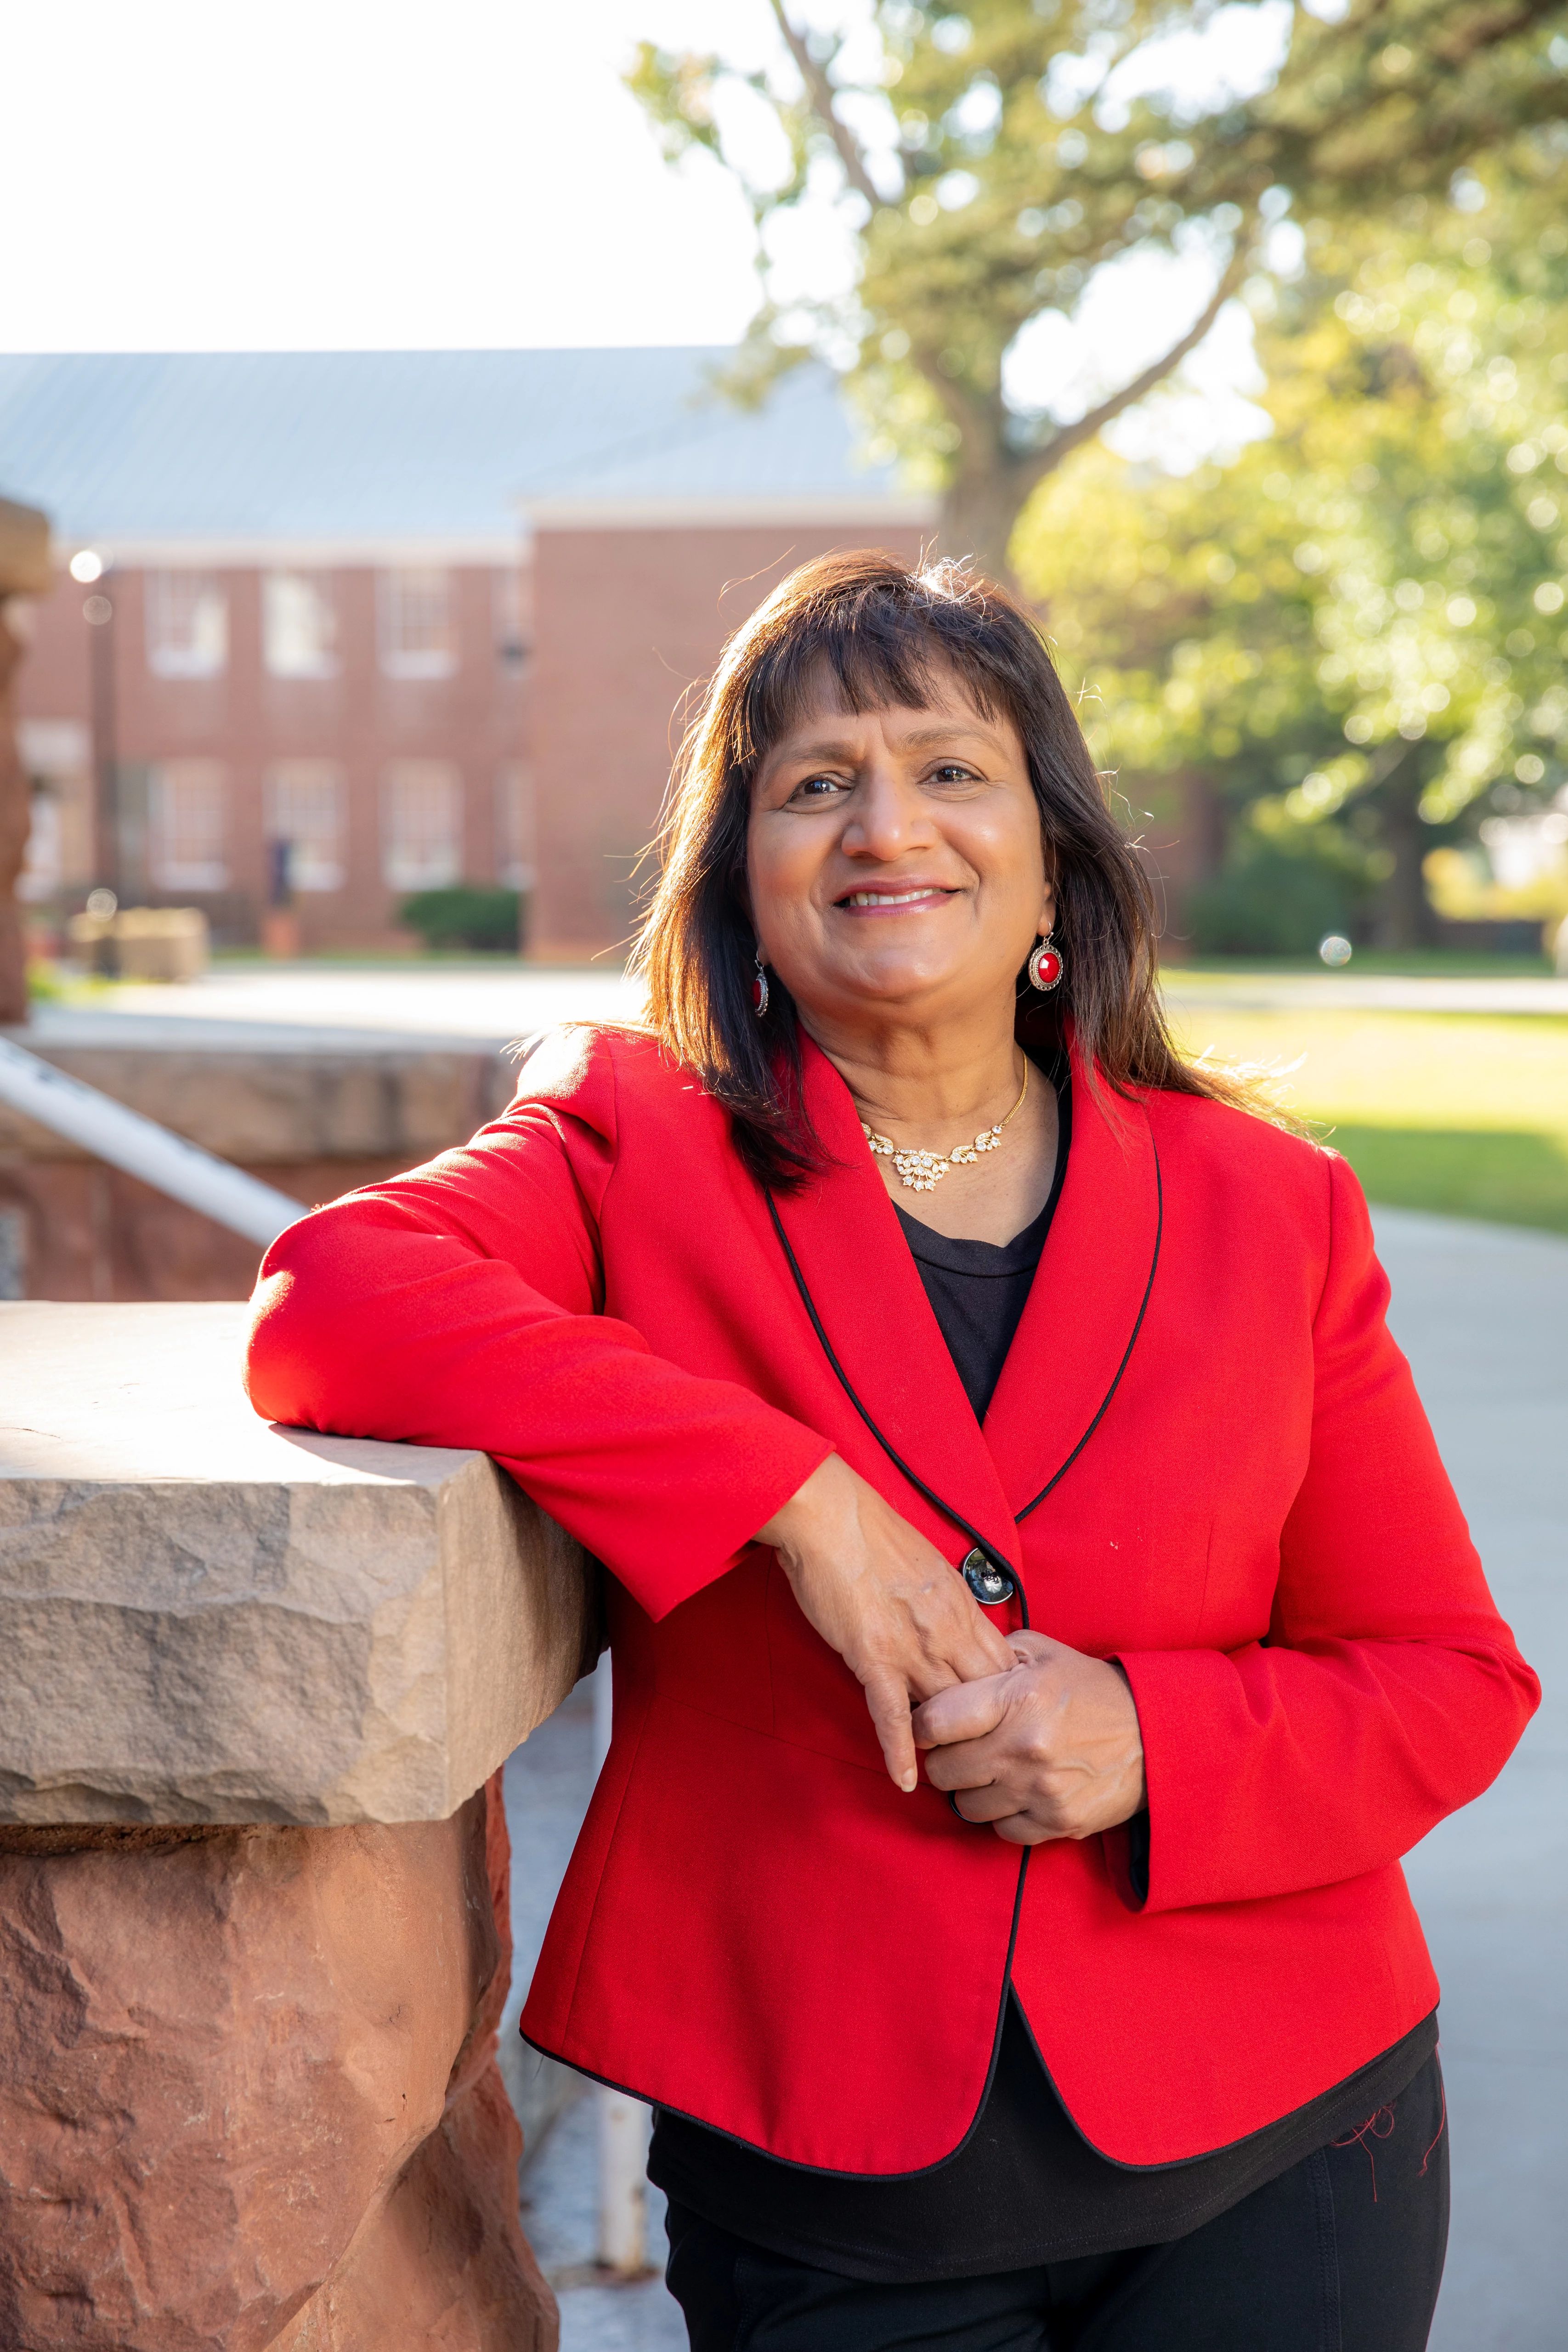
{"points": [[1268, 900], [465, 916], [1358, 628], [986, 168]]}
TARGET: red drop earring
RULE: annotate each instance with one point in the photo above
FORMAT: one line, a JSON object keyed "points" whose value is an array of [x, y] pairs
{"points": [[760, 988], [1044, 966]]}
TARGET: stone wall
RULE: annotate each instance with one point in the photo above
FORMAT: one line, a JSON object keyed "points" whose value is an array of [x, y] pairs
{"points": [[255, 1687]]}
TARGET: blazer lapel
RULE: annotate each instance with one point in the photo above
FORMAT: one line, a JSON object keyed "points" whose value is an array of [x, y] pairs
{"points": [[865, 1290], [1087, 1302]]}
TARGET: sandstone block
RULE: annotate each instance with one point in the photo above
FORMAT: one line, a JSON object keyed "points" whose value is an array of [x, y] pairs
{"points": [[206, 1620], [248, 2093]]}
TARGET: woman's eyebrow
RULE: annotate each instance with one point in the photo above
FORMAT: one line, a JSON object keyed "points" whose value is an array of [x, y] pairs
{"points": [[918, 738], [827, 749], [948, 733]]}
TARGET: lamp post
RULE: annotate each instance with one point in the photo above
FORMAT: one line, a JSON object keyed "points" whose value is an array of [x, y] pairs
{"points": [[24, 571], [88, 568]]}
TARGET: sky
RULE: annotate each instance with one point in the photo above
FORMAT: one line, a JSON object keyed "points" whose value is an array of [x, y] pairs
{"points": [[365, 174], [216, 175]]}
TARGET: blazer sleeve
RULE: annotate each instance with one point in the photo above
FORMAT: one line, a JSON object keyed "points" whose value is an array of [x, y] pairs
{"points": [[460, 1305], [1389, 1691]]}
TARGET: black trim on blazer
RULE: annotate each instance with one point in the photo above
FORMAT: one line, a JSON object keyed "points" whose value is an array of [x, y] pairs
{"points": [[919, 1484], [897, 1459], [828, 2171], [1127, 1356]]}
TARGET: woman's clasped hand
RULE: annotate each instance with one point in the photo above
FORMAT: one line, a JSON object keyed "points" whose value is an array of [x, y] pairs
{"points": [[881, 1595], [1048, 1748], [1027, 1735]]}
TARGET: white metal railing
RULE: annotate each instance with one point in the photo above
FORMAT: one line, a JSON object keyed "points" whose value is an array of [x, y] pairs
{"points": [[126, 1140]]}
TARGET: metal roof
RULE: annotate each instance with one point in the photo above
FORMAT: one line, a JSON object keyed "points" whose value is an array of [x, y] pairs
{"points": [[409, 446]]}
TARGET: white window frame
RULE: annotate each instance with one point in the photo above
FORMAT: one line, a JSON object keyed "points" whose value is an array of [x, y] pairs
{"points": [[396, 590], [43, 860], [406, 865], [303, 659], [186, 623], [57, 756], [167, 782], [304, 802]]}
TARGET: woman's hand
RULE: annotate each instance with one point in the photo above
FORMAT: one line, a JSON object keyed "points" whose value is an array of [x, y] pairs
{"points": [[1051, 1749], [904, 1621]]}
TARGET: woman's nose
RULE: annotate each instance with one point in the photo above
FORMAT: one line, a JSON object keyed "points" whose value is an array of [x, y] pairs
{"points": [[888, 818]]}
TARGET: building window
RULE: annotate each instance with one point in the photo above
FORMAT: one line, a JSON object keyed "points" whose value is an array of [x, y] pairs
{"points": [[418, 635], [515, 853], [510, 608], [187, 624], [43, 861], [299, 624], [56, 755], [422, 825], [186, 824], [303, 803]]}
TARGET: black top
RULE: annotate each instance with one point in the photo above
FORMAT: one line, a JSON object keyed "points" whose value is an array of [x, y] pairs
{"points": [[978, 1290], [1025, 2188]]}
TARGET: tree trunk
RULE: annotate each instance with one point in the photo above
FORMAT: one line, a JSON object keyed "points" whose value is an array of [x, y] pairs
{"points": [[1405, 916], [979, 510]]}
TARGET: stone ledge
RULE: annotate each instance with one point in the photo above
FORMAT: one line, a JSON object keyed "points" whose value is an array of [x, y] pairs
{"points": [[204, 1619]]}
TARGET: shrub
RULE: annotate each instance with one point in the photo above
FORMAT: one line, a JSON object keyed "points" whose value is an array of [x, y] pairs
{"points": [[1269, 901], [465, 916]]}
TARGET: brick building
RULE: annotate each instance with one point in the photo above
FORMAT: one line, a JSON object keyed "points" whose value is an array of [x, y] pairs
{"points": [[425, 617]]}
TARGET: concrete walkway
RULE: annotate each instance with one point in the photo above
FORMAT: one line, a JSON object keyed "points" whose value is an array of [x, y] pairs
{"points": [[491, 1002], [1483, 1313]]}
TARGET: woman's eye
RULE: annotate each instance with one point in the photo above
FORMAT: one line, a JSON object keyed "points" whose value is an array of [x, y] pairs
{"points": [[815, 788], [953, 771]]}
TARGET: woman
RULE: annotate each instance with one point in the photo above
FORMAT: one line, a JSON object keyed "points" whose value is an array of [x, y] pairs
{"points": [[1040, 1618]]}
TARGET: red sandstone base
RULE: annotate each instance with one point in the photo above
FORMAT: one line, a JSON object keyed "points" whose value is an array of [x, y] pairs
{"points": [[249, 2094]]}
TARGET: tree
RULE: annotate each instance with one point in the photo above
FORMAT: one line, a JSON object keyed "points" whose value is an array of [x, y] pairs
{"points": [[1352, 636], [991, 162]]}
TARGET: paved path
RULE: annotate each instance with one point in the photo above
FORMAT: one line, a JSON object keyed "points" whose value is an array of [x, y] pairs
{"points": [[1483, 1313], [331, 1006], [327, 1006]]}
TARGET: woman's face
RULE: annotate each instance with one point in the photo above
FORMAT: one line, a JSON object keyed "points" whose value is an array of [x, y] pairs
{"points": [[895, 861]]}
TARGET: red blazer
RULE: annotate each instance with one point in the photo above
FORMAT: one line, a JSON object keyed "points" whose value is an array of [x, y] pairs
{"points": [[1204, 1456]]}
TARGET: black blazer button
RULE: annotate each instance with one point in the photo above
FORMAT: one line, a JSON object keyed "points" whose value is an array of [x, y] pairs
{"points": [[991, 1585]]}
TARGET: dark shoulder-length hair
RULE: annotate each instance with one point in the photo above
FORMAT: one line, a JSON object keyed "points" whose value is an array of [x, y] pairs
{"points": [[868, 629]]}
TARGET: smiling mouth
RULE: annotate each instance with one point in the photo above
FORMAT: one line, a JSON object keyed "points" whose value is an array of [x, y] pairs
{"points": [[919, 894]]}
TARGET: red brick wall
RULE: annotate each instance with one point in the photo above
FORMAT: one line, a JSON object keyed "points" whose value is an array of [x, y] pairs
{"points": [[247, 718], [628, 621]]}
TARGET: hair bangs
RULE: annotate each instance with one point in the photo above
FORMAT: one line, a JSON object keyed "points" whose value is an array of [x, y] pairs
{"points": [[876, 650]]}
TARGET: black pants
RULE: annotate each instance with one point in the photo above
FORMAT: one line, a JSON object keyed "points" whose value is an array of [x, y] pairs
{"points": [[1342, 2253]]}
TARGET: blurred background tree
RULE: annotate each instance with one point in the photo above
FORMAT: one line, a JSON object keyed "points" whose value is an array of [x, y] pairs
{"points": [[993, 166], [1347, 644]]}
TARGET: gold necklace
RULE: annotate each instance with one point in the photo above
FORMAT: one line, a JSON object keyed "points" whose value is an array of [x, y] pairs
{"points": [[922, 1172]]}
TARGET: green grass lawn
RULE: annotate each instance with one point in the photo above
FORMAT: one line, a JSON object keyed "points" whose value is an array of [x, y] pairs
{"points": [[1465, 1115], [1419, 963]]}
